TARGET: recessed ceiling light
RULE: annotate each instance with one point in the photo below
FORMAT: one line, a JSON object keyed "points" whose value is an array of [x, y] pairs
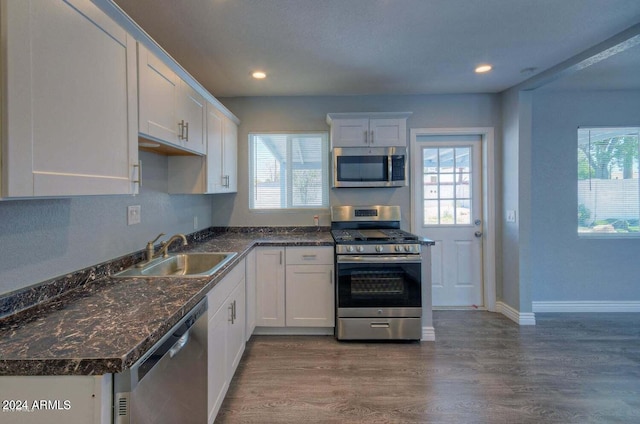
{"points": [[259, 75], [483, 68]]}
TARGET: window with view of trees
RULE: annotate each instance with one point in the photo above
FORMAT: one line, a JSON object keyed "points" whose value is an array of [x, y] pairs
{"points": [[289, 171], [608, 184]]}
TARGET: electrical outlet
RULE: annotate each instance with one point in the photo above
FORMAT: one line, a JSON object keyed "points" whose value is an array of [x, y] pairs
{"points": [[511, 216], [195, 222], [133, 214]]}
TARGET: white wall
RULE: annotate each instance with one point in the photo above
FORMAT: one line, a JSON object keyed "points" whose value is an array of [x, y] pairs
{"points": [[566, 267], [43, 239], [309, 114]]}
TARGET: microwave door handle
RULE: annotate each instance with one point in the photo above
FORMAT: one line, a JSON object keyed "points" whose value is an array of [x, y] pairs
{"points": [[389, 168]]}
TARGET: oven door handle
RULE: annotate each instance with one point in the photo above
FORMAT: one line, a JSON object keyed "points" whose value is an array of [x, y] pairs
{"points": [[405, 259]]}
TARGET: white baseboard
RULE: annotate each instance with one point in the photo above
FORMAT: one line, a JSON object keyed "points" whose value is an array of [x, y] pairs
{"points": [[520, 318], [428, 334], [586, 306]]}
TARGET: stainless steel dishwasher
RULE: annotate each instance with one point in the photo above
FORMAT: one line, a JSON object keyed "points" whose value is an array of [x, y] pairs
{"points": [[168, 384]]}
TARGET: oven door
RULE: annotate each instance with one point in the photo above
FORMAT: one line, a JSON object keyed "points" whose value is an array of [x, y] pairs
{"points": [[383, 286]]}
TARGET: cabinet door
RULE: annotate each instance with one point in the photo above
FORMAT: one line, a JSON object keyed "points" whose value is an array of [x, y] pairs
{"points": [[270, 287], [235, 334], [70, 101], [388, 132], [230, 155], [192, 111], [350, 133], [215, 180], [310, 297], [218, 378], [200, 174], [159, 87]]}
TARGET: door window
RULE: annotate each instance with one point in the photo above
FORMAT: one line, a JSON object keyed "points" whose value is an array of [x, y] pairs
{"points": [[447, 183]]}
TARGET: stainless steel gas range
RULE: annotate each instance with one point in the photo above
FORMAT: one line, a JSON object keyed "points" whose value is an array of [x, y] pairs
{"points": [[378, 275]]}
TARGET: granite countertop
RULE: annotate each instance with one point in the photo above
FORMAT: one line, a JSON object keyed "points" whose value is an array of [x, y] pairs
{"points": [[106, 325]]}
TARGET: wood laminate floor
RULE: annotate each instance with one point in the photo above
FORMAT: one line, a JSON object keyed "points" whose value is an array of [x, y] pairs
{"points": [[483, 368]]}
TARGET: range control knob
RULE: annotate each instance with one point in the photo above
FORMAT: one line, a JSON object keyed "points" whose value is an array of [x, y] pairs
{"points": [[349, 248], [408, 248], [360, 249], [379, 249], [398, 248]]}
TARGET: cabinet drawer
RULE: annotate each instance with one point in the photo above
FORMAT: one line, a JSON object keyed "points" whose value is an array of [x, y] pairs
{"points": [[217, 296], [309, 255]]}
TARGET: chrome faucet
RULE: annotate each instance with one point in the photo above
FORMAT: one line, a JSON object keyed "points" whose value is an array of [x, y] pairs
{"points": [[166, 244]]}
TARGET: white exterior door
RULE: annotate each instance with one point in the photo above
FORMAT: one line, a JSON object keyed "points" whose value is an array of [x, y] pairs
{"points": [[447, 179]]}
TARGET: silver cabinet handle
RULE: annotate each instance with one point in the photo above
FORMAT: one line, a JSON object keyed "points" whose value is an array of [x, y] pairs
{"points": [[331, 276], [371, 136], [309, 256], [235, 316], [231, 309], [225, 181], [139, 167], [181, 130], [366, 136], [281, 257], [186, 126]]}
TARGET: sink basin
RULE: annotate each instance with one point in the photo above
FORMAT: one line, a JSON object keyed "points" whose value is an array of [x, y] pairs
{"points": [[181, 265]]}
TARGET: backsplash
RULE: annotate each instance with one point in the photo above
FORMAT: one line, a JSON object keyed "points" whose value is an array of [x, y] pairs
{"points": [[18, 300]]}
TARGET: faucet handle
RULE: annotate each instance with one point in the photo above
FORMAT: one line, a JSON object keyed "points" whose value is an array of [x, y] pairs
{"points": [[152, 242]]}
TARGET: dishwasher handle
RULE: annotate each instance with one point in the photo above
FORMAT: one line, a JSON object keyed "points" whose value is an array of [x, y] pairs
{"points": [[182, 342]]}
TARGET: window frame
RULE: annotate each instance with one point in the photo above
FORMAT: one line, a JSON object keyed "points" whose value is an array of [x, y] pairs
{"points": [[325, 158]]}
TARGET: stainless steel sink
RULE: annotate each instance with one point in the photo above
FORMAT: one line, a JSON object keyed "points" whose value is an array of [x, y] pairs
{"points": [[181, 265]]}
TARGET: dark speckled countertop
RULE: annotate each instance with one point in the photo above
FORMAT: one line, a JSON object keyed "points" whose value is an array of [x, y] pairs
{"points": [[105, 325]]}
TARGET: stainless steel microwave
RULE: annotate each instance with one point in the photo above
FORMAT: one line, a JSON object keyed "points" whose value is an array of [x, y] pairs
{"points": [[369, 166]]}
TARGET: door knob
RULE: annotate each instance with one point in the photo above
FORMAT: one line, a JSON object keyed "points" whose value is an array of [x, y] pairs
{"points": [[478, 234]]}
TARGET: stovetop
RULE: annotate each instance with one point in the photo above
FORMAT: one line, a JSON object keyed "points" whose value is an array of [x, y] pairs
{"points": [[382, 235]]}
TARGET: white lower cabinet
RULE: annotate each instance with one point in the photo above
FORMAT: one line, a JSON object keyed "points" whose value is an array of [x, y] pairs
{"points": [[226, 339], [295, 287], [309, 296], [270, 287]]}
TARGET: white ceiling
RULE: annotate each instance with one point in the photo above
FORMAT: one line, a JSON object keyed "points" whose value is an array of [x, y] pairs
{"points": [[342, 47]]}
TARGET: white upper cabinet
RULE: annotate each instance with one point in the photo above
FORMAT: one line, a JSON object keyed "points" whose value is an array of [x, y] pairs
{"points": [[69, 100], [222, 152], [191, 111], [158, 96], [215, 173], [368, 129], [230, 155], [170, 110]]}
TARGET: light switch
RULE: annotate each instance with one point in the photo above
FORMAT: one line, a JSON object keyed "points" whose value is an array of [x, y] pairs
{"points": [[133, 214], [511, 216]]}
